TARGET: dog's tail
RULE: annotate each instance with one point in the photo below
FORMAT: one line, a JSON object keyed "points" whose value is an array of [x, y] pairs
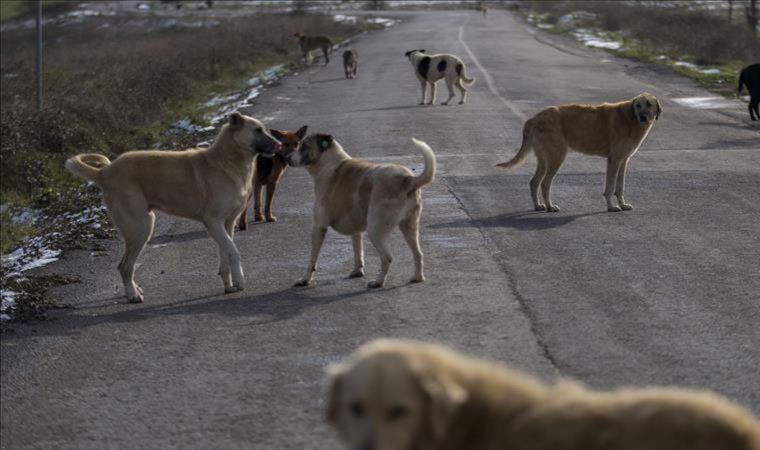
{"points": [[463, 74], [741, 82], [87, 166], [427, 175], [524, 148]]}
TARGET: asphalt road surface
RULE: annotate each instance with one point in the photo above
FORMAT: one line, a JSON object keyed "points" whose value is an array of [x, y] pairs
{"points": [[665, 294]]}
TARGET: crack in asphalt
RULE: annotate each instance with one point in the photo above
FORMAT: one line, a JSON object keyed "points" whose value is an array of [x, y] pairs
{"points": [[511, 280]]}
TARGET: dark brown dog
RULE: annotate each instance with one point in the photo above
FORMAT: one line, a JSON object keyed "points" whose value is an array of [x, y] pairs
{"points": [[268, 172]]}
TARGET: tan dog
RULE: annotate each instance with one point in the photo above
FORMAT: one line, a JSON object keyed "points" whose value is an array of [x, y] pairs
{"points": [[401, 395], [309, 43], [209, 185], [431, 68], [268, 172], [611, 130], [354, 196]]}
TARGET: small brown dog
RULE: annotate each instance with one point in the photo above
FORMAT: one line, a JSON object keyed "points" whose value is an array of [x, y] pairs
{"points": [[611, 130], [309, 43], [267, 173], [396, 394]]}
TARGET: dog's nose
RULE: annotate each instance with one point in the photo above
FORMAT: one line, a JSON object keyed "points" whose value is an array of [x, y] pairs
{"points": [[277, 147]]}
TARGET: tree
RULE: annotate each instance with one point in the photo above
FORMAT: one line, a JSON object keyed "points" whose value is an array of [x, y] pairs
{"points": [[752, 16]]}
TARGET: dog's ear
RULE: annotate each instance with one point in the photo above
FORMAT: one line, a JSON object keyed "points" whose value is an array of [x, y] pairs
{"points": [[335, 374], [324, 141], [421, 51], [659, 109], [444, 398], [236, 120], [409, 53], [633, 110], [276, 133], [301, 132]]}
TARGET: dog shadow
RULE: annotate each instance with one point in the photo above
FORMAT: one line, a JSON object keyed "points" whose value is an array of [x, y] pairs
{"points": [[389, 108], [329, 80], [523, 221], [254, 310]]}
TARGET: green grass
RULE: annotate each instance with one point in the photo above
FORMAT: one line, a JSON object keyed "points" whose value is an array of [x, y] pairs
{"points": [[11, 9]]}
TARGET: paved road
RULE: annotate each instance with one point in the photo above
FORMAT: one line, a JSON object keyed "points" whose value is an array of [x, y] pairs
{"points": [[665, 294]]}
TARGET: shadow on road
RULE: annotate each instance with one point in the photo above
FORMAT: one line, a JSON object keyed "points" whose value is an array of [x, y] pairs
{"points": [[261, 309], [181, 237], [389, 108], [525, 220]]}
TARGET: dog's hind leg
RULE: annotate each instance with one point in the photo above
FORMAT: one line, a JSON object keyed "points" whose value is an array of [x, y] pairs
{"points": [[613, 169], [357, 239], [135, 222], [257, 215], [270, 198], [424, 88], [535, 182], [317, 239], [230, 268], [546, 184], [410, 228], [462, 89], [450, 86], [433, 89], [381, 220], [620, 187], [753, 109]]}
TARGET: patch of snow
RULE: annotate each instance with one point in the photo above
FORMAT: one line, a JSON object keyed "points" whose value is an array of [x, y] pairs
{"points": [[344, 18], [591, 40], [7, 304], [203, 144], [705, 102], [184, 125], [545, 26], [384, 21], [697, 68]]}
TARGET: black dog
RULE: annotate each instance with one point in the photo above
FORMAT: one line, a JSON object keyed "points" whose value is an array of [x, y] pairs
{"points": [[750, 77]]}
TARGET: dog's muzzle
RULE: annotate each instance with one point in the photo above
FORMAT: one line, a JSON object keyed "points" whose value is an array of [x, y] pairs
{"points": [[644, 118]]}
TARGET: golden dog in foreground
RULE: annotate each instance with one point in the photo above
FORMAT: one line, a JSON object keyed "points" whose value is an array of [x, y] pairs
{"points": [[406, 395]]}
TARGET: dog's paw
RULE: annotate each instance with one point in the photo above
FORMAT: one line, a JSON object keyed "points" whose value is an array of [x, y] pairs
{"points": [[418, 279], [613, 209], [233, 288], [258, 218], [302, 283], [552, 208], [461, 102], [540, 208], [626, 207], [271, 219], [358, 273], [375, 284], [137, 298], [242, 226], [421, 103]]}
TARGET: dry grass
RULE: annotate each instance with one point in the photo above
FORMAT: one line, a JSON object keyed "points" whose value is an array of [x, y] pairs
{"points": [[701, 36]]}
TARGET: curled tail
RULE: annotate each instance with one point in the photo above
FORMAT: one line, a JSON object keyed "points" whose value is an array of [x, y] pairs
{"points": [[427, 175], [463, 74], [87, 166], [524, 148]]}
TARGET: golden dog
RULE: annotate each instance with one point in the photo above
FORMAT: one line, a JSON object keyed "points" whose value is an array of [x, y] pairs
{"points": [[405, 395], [354, 196], [209, 185], [612, 130]]}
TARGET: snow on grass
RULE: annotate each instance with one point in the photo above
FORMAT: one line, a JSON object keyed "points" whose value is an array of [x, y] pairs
{"points": [[590, 39], [697, 68], [7, 304], [705, 102]]}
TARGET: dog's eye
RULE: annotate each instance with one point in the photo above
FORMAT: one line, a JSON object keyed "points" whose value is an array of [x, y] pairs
{"points": [[357, 409], [649, 103], [638, 106], [396, 412]]}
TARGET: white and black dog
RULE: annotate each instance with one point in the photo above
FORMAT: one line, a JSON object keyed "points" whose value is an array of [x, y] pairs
{"points": [[431, 68]]}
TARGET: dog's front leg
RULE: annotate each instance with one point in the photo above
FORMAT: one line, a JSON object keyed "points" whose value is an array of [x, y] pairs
{"points": [[230, 268], [317, 238], [357, 240], [432, 93], [620, 187], [424, 88], [613, 166]]}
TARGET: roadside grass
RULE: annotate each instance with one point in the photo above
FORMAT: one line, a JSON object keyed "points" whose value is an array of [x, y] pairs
{"points": [[17, 9], [663, 36]]}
